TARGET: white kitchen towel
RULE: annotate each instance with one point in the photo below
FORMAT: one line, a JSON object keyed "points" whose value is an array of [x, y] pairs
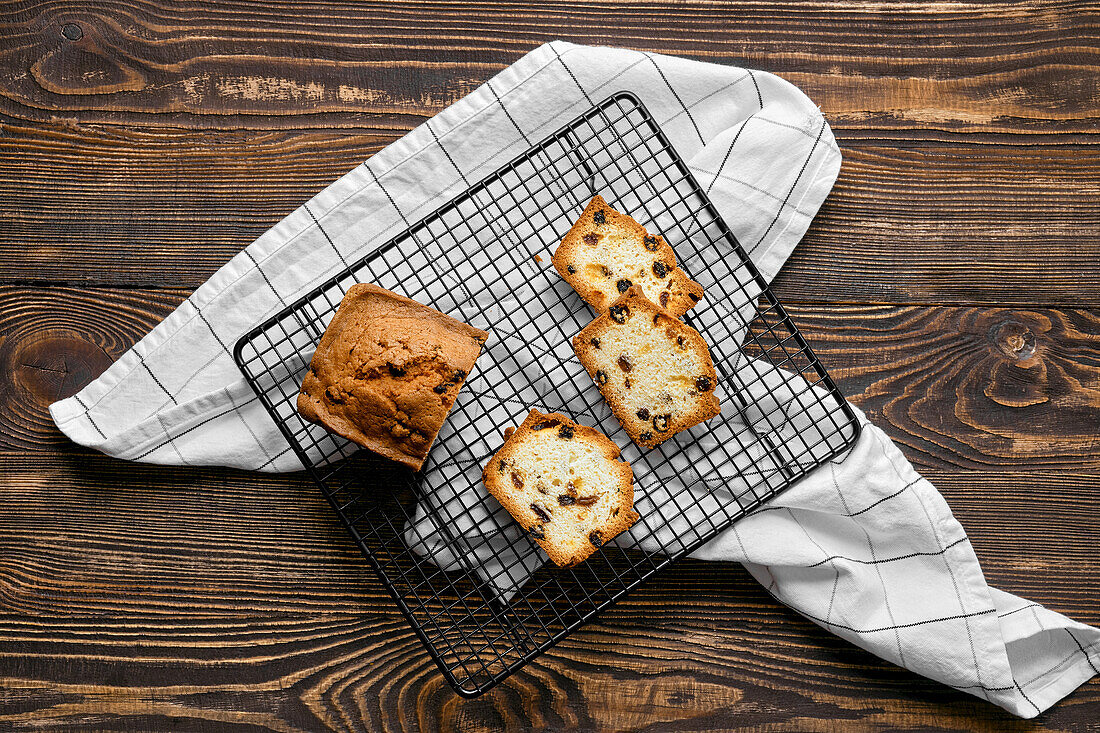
{"points": [[864, 546]]}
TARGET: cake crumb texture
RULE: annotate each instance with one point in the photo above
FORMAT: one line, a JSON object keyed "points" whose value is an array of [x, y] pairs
{"points": [[564, 484], [606, 252], [653, 370]]}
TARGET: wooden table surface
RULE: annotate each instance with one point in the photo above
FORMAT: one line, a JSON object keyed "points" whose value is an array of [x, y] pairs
{"points": [[141, 147]]}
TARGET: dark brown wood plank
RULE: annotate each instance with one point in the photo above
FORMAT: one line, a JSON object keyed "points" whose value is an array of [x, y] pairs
{"points": [[133, 594], [1006, 388], [1020, 68], [113, 537], [86, 204], [958, 223], [954, 224], [734, 672], [141, 146], [1003, 389]]}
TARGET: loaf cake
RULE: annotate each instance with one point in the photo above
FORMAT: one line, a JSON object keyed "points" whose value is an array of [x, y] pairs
{"points": [[387, 372], [653, 370], [564, 484], [605, 252]]}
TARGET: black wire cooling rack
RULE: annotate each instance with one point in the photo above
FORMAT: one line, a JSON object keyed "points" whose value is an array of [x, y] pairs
{"points": [[486, 604]]}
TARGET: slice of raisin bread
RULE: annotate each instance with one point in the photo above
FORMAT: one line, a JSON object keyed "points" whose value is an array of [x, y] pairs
{"points": [[564, 484], [606, 252], [654, 371]]}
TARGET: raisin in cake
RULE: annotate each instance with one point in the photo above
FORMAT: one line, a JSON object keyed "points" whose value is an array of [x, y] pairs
{"points": [[564, 484], [387, 372], [606, 252], [654, 371]]}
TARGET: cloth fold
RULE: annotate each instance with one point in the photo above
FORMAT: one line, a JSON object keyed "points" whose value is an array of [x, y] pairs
{"points": [[864, 546]]}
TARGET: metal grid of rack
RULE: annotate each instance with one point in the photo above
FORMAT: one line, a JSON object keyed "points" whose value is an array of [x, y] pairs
{"points": [[485, 603]]}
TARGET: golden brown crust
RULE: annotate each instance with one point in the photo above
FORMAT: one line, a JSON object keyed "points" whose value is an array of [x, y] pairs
{"points": [[540, 495], [605, 252], [387, 371], [647, 420]]}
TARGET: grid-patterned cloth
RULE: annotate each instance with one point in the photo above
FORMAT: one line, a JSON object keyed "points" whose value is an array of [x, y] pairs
{"points": [[864, 546]]}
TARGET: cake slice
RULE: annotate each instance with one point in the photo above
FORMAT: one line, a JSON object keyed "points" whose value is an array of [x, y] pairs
{"points": [[606, 252], [564, 484], [387, 371], [653, 370]]}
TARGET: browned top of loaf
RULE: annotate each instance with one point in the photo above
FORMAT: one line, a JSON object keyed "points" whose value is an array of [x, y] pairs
{"points": [[387, 372]]}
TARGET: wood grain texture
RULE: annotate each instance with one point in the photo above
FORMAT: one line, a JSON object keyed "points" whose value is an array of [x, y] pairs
{"points": [[133, 595], [951, 283], [996, 388], [999, 67], [969, 387], [935, 224], [106, 536]]}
